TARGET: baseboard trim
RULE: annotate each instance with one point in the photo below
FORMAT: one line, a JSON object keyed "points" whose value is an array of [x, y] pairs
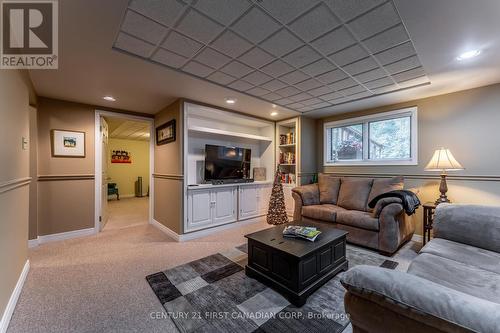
{"points": [[62, 236], [417, 238], [201, 233], [11, 305]]}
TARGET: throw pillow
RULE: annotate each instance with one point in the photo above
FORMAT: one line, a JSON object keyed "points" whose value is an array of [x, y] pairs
{"points": [[329, 187], [354, 193]]}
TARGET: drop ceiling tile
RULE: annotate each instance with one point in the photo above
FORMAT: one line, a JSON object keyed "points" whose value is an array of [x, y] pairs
{"points": [[352, 90], [385, 89], [319, 67], [286, 10], [396, 53], [359, 95], [240, 85], [199, 27], [332, 76], [374, 21], [314, 23], [387, 39], [212, 58], [348, 9], [274, 85], [295, 106], [255, 25], [301, 57], [334, 41], [236, 69], [403, 65], [281, 43], [143, 28], [343, 84], [385, 81], [300, 97], [221, 78], [258, 91], [340, 100], [223, 11], [197, 69], [320, 91], [294, 77], [320, 105], [311, 101], [277, 68], [414, 82], [168, 58], [349, 55], [410, 74], [284, 101], [288, 91], [133, 45], [231, 44], [257, 78], [181, 44], [305, 109], [272, 96], [256, 58], [371, 75], [331, 96], [162, 11], [361, 66], [308, 84]]}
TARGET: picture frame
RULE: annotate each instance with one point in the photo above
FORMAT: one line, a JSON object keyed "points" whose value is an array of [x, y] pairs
{"points": [[65, 143], [166, 133]]}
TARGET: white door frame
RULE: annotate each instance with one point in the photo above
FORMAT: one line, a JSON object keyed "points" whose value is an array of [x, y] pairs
{"points": [[98, 160]]}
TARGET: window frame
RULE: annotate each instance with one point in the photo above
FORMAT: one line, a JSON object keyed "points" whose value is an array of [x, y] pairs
{"points": [[412, 112]]}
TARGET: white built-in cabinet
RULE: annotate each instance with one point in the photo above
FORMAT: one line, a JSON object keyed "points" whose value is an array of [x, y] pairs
{"points": [[211, 207], [253, 200]]}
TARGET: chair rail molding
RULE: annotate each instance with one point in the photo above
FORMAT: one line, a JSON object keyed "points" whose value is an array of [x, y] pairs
{"points": [[14, 183], [45, 178], [168, 176], [419, 176]]}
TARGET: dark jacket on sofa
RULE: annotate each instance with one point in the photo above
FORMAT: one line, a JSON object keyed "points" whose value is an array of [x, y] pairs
{"points": [[409, 200]]}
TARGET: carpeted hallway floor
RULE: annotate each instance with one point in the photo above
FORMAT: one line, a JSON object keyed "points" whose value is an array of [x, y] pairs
{"points": [[97, 283], [127, 212]]}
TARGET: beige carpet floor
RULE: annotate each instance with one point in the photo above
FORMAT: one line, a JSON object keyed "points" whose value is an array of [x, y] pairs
{"points": [[127, 212], [97, 283]]}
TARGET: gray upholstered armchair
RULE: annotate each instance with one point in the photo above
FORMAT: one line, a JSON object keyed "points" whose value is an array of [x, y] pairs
{"points": [[344, 202]]}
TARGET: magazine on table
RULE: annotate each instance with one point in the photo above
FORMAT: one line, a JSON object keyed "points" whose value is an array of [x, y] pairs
{"points": [[295, 231]]}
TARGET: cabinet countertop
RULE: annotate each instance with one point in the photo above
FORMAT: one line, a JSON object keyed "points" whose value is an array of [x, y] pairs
{"points": [[210, 186]]}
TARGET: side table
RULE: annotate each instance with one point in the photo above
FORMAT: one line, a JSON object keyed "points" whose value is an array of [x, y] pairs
{"points": [[429, 209]]}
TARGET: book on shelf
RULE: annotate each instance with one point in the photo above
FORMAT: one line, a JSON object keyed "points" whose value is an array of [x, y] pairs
{"points": [[287, 178], [295, 231], [287, 139], [287, 157]]}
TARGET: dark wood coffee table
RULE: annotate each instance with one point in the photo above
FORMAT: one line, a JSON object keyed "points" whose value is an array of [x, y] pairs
{"points": [[296, 267]]}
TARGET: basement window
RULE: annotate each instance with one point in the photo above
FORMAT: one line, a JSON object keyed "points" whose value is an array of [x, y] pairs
{"points": [[388, 138]]}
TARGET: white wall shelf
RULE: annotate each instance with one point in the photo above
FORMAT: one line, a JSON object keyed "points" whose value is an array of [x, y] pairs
{"points": [[213, 131]]}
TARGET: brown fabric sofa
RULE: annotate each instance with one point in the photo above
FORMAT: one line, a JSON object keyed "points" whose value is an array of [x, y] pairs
{"points": [[343, 201]]}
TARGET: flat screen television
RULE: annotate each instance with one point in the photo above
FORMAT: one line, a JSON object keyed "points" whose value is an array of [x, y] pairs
{"points": [[226, 162]]}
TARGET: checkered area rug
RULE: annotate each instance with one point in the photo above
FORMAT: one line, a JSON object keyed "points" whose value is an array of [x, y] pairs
{"points": [[213, 294]]}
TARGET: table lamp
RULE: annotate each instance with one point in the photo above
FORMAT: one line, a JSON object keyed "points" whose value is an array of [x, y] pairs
{"points": [[443, 161]]}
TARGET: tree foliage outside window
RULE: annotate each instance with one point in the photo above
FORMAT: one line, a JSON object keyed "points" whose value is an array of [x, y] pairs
{"points": [[390, 139]]}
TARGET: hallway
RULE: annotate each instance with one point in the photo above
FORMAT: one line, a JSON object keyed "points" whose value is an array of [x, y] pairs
{"points": [[127, 212]]}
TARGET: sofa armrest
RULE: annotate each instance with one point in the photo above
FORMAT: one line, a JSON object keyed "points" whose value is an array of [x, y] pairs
{"points": [[394, 228], [420, 300], [474, 225], [308, 193], [377, 210]]}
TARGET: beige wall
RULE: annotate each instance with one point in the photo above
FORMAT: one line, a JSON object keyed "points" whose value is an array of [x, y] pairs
{"points": [[16, 93], [125, 175], [168, 172], [466, 122]]}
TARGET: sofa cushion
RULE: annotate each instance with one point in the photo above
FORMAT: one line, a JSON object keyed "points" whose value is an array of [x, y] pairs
{"points": [[356, 218], [329, 187], [466, 254], [325, 212], [383, 185], [354, 193], [452, 274]]}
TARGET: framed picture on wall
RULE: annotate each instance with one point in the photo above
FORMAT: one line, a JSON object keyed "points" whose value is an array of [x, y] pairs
{"points": [[67, 143], [165, 133]]}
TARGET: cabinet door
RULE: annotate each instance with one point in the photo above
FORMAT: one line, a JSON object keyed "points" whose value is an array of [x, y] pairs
{"points": [[289, 203], [224, 205], [199, 209], [263, 198], [248, 202]]}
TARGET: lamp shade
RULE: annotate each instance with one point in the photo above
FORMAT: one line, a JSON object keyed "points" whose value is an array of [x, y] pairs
{"points": [[443, 160]]}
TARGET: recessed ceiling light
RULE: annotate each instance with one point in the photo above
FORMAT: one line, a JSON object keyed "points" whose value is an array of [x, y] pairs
{"points": [[274, 106], [468, 55], [109, 98], [230, 100], [274, 113]]}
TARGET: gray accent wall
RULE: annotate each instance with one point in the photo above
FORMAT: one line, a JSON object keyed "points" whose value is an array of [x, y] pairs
{"points": [[467, 123]]}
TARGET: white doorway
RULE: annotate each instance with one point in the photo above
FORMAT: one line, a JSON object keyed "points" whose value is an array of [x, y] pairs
{"points": [[119, 201]]}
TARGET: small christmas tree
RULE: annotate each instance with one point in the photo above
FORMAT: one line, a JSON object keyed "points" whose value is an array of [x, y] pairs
{"points": [[277, 211]]}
